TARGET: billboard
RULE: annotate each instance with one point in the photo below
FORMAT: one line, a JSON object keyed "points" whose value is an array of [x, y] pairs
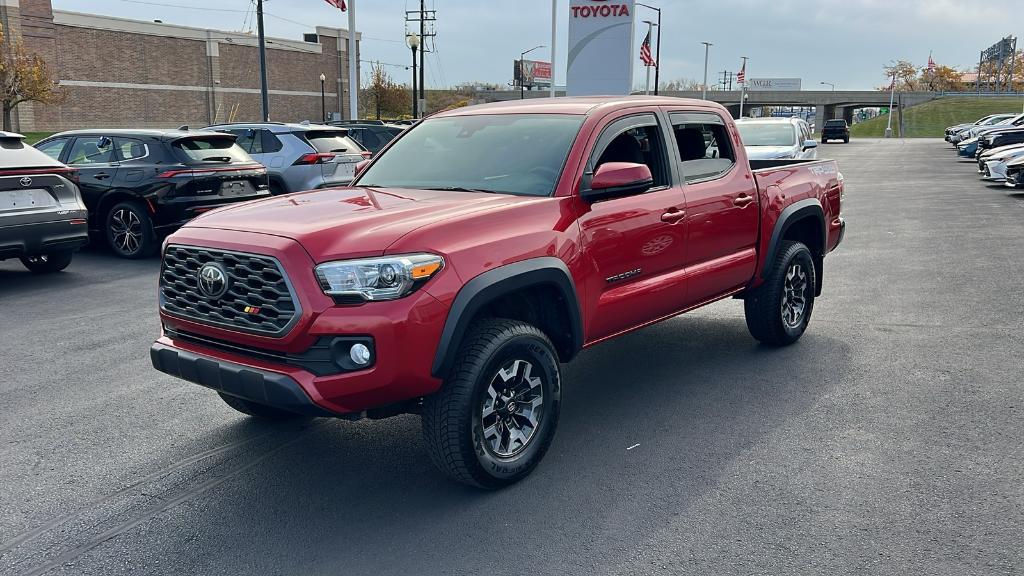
{"points": [[600, 47], [532, 73], [774, 84]]}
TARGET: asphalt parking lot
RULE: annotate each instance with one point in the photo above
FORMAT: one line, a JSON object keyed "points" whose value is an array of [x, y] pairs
{"points": [[889, 440]]}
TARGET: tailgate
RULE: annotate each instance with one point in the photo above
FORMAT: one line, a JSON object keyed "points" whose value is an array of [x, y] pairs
{"points": [[28, 198]]}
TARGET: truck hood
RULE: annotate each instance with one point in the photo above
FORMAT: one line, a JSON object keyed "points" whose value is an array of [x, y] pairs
{"points": [[350, 222], [770, 152]]}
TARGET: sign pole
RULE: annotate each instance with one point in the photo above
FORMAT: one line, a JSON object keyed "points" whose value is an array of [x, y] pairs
{"points": [[647, 86], [743, 85]]}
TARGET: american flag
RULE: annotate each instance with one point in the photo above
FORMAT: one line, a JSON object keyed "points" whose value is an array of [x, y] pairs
{"points": [[339, 4], [931, 63], [645, 51], [742, 76]]}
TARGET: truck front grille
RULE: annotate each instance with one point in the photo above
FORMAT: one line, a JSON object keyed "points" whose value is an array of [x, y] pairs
{"points": [[257, 298]]}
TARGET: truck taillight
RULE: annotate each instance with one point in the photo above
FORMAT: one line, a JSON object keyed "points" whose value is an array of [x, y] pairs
{"points": [[314, 158]]}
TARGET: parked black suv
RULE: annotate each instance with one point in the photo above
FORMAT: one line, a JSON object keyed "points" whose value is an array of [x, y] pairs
{"points": [[42, 217], [373, 137], [835, 130], [141, 184]]}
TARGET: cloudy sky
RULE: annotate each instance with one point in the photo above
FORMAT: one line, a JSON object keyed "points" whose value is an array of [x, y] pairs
{"points": [[842, 41]]}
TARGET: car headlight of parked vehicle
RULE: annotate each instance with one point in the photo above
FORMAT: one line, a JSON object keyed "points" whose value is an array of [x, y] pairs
{"points": [[385, 278]]}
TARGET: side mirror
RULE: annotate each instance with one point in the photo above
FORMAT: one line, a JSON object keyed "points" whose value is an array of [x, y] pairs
{"points": [[808, 144], [360, 166], [104, 142], [613, 178]]}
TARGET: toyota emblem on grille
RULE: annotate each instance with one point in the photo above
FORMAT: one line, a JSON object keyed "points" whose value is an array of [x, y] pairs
{"points": [[25, 181], [213, 280]]}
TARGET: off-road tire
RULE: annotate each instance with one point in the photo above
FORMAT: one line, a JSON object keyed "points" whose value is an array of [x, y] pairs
{"points": [[256, 409], [131, 218], [48, 263], [763, 307], [453, 417]]}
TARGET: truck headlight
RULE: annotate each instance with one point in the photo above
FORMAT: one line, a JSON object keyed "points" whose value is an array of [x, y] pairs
{"points": [[384, 278]]}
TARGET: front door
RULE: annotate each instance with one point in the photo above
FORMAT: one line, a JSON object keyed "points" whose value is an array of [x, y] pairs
{"points": [[636, 241], [93, 157], [722, 206]]}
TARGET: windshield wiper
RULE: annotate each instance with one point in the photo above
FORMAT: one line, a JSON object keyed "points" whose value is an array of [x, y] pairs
{"points": [[217, 159], [461, 189]]}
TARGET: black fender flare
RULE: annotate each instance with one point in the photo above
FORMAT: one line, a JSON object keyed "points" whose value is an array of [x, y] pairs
{"points": [[490, 285], [809, 207]]}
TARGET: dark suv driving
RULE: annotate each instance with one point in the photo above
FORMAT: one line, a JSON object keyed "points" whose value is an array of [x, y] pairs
{"points": [[835, 130], [141, 184]]}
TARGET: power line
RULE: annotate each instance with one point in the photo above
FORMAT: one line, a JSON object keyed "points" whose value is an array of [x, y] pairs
{"points": [[203, 8]]}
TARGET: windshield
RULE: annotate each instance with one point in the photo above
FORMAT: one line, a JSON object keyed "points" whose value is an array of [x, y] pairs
{"points": [[835, 123], [506, 153], [332, 141], [764, 134], [208, 150]]}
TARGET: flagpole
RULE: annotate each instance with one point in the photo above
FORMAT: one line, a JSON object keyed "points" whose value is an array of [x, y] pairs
{"points": [[353, 62], [743, 85], [647, 87], [554, 42]]}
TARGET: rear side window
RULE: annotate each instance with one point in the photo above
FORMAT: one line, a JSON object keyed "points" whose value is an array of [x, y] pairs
{"points": [[91, 150], [130, 149], [270, 143], [332, 141], [209, 150], [705, 152]]}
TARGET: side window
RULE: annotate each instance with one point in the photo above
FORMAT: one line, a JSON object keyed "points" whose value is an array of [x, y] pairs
{"points": [[637, 139], [89, 150], [53, 148], [270, 142], [705, 152], [245, 138], [130, 149]]}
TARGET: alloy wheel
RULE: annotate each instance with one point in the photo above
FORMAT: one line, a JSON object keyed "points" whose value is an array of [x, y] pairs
{"points": [[794, 295], [126, 231], [511, 409]]}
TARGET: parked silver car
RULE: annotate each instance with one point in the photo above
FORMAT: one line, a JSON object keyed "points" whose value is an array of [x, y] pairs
{"points": [[992, 164], [299, 156], [776, 138]]}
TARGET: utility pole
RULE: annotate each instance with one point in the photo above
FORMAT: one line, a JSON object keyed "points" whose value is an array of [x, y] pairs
{"points": [[264, 93], [704, 86], [422, 17]]}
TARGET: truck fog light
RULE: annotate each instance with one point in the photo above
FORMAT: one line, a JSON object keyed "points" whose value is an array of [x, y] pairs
{"points": [[360, 354]]}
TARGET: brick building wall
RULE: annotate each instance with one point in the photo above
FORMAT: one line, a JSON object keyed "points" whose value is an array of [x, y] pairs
{"points": [[131, 73]]}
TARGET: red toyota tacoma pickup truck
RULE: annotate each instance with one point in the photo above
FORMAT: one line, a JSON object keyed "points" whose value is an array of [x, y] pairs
{"points": [[480, 250]]}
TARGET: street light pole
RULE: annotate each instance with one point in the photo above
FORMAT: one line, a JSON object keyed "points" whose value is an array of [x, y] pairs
{"points": [[323, 98], [829, 84], [704, 86], [892, 95], [657, 49], [413, 40], [647, 86], [522, 84]]}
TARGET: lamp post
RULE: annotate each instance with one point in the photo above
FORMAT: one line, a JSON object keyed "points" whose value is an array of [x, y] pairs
{"points": [[657, 49], [521, 56], [413, 40], [323, 98], [829, 84], [704, 86]]}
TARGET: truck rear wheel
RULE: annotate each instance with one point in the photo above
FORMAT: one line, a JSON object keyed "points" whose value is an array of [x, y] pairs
{"points": [[256, 409], [495, 416], [779, 310]]}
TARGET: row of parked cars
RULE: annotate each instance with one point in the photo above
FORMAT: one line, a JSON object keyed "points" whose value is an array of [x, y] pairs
{"points": [[130, 187], [997, 143]]}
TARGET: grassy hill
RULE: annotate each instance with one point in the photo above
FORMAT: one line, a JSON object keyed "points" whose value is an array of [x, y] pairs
{"points": [[928, 120]]}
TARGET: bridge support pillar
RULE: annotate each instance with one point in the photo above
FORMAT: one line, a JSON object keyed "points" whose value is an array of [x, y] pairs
{"points": [[848, 114], [823, 112]]}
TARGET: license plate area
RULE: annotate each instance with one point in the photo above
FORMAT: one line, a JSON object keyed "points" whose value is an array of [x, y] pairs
{"points": [[234, 188], [26, 199]]}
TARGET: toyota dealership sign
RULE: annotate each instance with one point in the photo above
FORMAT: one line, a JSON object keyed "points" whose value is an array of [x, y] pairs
{"points": [[600, 47]]}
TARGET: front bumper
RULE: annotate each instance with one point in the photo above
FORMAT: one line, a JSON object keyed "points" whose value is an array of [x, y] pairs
{"points": [[994, 171], [42, 237]]}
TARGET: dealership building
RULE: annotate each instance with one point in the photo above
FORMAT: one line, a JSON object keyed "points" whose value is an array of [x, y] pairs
{"points": [[131, 73]]}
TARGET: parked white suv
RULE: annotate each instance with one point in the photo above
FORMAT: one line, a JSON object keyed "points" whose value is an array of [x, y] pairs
{"points": [[777, 138]]}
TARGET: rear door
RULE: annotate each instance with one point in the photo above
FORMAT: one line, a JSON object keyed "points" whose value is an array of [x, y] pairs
{"points": [[636, 241], [722, 206], [339, 153], [93, 156]]}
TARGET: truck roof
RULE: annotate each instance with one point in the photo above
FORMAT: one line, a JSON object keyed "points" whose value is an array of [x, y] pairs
{"points": [[575, 105]]}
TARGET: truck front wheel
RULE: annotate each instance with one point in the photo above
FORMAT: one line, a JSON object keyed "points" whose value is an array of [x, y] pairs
{"points": [[778, 311], [493, 419]]}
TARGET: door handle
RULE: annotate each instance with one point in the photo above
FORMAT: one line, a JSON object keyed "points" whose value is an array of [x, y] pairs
{"points": [[101, 176], [742, 200], [673, 215]]}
